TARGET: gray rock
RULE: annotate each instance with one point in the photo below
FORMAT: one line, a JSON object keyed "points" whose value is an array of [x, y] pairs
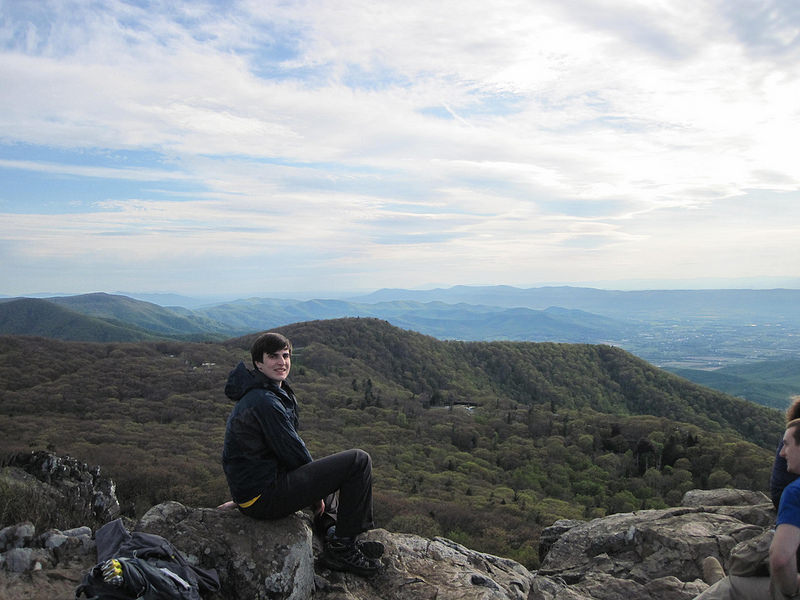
{"points": [[724, 497], [6, 534], [417, 568], [53, 539], [254, 559], [553, 588], [647, 555], [623, 556], [672, 588], [275, 559], [17, 536], [70, 485], [78, 532], [20, 560], [550, 534]]}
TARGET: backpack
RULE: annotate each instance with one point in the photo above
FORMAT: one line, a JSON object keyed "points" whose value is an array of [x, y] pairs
{"points": [[136, 579], [144, 566]]}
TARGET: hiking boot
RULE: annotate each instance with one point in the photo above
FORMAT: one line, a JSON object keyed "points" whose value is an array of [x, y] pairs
{"points": [[712, 570], [346, 555], [370, 548]]}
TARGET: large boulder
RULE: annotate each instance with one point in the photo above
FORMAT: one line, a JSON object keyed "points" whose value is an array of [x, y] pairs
{"points": [[276, 560], [417, 568], [254, 559], [725, 497], [651, 553]]}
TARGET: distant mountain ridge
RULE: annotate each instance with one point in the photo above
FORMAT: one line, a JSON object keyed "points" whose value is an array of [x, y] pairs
{"points": [[731, 304], [32, 316], [673, 328], [101, 317], [441, 320], [152, 317]]}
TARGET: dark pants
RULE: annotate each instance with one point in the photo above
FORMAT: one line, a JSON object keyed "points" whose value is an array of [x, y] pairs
{"points": [[348, 472]]}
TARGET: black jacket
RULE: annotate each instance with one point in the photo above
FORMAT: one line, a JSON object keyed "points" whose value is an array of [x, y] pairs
{"points": [[780, 477], [261, 437]]}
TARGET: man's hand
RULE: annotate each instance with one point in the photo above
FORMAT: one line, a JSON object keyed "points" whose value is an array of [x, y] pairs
{"points": [[319, 507], [782, 559]]}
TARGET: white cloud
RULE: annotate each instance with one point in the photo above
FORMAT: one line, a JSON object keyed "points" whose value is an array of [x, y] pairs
{"points": [[502, 142]]}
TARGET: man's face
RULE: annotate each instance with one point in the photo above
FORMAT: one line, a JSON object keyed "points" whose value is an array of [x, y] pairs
{"points": [[791, 452], [276, 365]]}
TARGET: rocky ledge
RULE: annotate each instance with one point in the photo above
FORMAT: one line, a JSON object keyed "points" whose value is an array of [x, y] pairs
{"points": [[649, 554]]}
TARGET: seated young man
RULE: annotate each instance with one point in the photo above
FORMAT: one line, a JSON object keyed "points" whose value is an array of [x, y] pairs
{"points": [[271, 474]]}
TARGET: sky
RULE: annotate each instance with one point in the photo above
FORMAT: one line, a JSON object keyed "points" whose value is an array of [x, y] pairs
{"points": [[273, 148]]}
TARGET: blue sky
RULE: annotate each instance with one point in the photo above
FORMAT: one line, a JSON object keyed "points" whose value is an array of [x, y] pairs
{"points": [[279, 148]]}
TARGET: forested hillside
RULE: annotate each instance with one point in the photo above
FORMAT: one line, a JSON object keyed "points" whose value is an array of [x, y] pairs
{"points": [[176, 323], [32, 316], [769, 383], [483, 442]]}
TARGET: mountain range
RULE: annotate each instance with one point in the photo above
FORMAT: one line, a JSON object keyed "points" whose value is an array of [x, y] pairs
{"points": [[132, 319], [680, 328]]}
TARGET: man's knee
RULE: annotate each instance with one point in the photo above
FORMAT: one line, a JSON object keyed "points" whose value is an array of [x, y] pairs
{"points": [[719, 591], [361, 462], [363, 459]]}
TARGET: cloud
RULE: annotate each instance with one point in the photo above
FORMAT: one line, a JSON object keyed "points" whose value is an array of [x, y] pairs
{"points": [[92, 171], [501, 142]]}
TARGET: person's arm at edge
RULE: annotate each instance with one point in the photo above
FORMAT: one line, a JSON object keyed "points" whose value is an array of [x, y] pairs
{"points": [[783, 559]]}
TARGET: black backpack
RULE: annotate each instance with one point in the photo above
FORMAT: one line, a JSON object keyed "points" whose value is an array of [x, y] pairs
{"points": [[142, 566], [137, 579]]}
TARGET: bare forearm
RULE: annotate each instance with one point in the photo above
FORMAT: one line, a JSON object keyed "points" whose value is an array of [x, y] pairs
{"points": [[783, 559], [785, 579]]}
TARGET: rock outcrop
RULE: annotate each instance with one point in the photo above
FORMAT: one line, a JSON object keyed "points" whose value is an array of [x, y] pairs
{"points": [[647, 554], [65, 485], [650, 554], [275, 560]]}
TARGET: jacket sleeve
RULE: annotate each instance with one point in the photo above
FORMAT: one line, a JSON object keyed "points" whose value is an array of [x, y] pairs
{"points": [[780, 477], [277, 424]]}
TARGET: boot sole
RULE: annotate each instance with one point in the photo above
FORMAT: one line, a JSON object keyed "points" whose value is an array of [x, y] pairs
{"points": [[371, 549], [336, 564]]}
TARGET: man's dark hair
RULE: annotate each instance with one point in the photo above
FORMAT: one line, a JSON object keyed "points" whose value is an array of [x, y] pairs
{"points": [[269, 343], [793, 412], [794, 425]]}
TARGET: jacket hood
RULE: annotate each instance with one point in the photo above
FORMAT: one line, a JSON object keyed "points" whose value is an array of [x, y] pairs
{"points": [[241, 380]]}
